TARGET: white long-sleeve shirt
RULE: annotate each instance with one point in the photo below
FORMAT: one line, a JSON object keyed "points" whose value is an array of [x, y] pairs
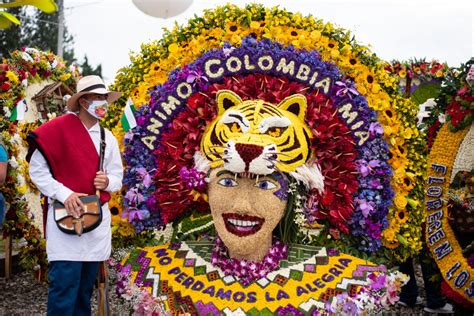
{"points": [[94, 245]]}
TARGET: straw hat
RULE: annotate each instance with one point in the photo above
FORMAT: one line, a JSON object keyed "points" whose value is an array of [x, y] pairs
{"points": [[87, 85]]}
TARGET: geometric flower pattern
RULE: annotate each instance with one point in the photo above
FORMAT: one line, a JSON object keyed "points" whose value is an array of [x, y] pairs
{"points": [[183, 276]]}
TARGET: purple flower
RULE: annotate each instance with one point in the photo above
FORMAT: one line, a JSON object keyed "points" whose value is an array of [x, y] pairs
{"points": [[375, 129], [196, 77], [227, 51], [333, 252], [343, 89], [366, 168], [134, 196], [350, 308], [133, 214], [365, 207], [193, 179], [378, 281], [329, 307], [144, 177]]}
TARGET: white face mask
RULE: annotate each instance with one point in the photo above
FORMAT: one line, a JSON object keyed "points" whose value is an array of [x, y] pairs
{"points": [[98, 108]]}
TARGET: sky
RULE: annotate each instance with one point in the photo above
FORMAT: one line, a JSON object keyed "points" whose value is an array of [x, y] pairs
{"points": [[107, 31]]}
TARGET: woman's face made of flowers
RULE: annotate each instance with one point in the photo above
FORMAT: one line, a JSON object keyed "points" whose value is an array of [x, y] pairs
{"points": [[245, 210]]}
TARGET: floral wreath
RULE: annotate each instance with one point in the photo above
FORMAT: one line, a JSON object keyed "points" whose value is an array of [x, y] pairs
{"points": [[457, 272], [449, 142], [400, 228], [23, 212]]}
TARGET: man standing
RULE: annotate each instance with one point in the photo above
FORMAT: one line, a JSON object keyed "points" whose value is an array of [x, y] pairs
{"points": [[64, 165]]}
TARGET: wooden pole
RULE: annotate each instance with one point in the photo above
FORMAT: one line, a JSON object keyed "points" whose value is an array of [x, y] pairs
{"points": [[8, 257]]}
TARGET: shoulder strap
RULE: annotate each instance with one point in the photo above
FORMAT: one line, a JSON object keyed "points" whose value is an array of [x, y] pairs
{"points": [[101, 153], [102, 149]]}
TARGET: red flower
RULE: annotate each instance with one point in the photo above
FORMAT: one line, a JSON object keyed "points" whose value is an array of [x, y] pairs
{"points": [[5, 86]]}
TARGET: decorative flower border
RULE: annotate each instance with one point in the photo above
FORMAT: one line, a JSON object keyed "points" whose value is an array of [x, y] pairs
{"points": [[23, 68], [440, 238], [230, 23], [185, 281]]}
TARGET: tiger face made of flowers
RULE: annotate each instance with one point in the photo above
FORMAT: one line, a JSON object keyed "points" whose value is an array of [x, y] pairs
{"points": [[257, 137]]}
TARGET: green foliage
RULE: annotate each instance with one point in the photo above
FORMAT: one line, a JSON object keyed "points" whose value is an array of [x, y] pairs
{"points": [[87, 69], [425, 92]]}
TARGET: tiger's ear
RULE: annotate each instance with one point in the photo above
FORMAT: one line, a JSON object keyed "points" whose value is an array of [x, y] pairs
{"points": [[226, 99], [295, 104]]}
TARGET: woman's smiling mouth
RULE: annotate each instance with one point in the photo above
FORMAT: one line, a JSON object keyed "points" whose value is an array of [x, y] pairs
{"points": [[242, 225]]}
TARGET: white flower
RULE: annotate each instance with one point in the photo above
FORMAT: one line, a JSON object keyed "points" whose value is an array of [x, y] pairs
{"points": [[442, 118], [27, 57], [13, 163], [7, 111]]}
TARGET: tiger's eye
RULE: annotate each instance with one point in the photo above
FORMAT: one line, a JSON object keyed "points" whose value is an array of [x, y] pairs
{"points": [[235, 128], [274, 131]]}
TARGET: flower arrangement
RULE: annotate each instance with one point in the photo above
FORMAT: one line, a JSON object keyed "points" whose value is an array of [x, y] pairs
{"points": [[23, 219], [172, 198], [454, 104], [134, 298], [379, 294], [397, 230], [414, 72]]}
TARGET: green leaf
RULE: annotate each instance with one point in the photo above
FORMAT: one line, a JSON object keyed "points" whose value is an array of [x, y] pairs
{"points": [[402, 240], [6, 20]]}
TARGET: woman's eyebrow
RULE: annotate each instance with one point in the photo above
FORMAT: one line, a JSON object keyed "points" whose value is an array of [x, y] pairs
{"points": [[225, 172]]}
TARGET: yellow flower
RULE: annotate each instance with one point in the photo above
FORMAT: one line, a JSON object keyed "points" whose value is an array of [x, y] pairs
{"points": [[402, 73], [400, 201], [439, 73], [173, 48], [315, 35], [65, 76], [233, 28], [22, 189], [407, 133], [254, 25], [389, 234], [402, 216], [12, 77]]}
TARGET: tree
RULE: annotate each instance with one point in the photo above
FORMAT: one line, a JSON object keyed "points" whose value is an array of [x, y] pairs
{"points": [[43, 34], [39, 29], [87, 69], [13, 37]]}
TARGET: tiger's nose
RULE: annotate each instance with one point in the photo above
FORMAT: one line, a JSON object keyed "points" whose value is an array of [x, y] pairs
{"points": [[248, 152]]}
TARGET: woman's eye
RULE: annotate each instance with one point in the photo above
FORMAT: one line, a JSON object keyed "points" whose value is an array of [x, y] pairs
{"points": [[265, 185], [227, 182]]}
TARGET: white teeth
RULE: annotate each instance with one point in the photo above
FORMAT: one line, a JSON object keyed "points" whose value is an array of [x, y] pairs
{"points": [[236, 222]]}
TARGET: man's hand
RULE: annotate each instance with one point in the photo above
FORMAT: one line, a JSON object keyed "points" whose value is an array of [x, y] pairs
{"points": [[74, 205], [101, 181]]}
